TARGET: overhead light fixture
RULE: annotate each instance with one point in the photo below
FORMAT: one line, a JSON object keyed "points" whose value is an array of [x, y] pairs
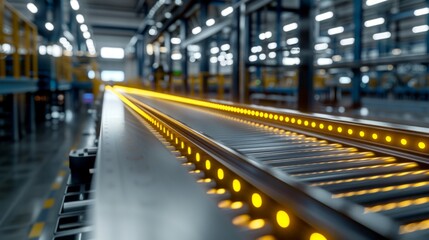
{"points": [[253, 58], [421, 28], [49, 26], [225, 47], [324, 16], [210, 22], [324, 61], [381, 36], [175, 40], [292, 41], [74, 5], [321, 46], [345, 80], [84, 28], [272, 45], [167, 15], [374, 22], [80, 19], [289, 27], [196, 30], [32, 8], [214, 50], [256, 49], [86, 35], [176, 56], [347, 41], [227, 11], [262, 56], [374, 2], [335, 30], [421, 11], [291, 61], [272, 54], [152, 31]]}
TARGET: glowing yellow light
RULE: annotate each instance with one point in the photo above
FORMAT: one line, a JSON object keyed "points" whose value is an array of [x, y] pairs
{"points": [[182, 145], [317, 236], [422, 145], [224, 204], [404, 141], [299, 121], [257, 114], [265, 115], [270, 116], [350, 131], [256, 200], [177, 141], [339, 129], [281, 118], [313, 124], [256, 224], [266, 237], [330, 128], [287, 119], [306, 123], [237, 205], [321, 126], [374, 136], [276, 117], [388, 138], [241, 220], [236, 185], [197, 157], [362, 133], [189, 151], [220, 174], [208, 164], [283, 219], [292, 120]]}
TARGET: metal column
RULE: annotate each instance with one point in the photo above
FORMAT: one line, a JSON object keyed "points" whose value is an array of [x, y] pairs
{"points": [[357, 53], [306, 68], [279, 55], [183, 36], [257, 43], [15, 117], [140, 52], [204, 60]]}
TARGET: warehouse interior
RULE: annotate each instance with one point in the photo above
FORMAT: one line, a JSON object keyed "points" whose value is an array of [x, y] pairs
{"points": [[214, 119]]}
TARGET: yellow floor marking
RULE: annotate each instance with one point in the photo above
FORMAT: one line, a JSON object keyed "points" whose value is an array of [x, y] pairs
{"points": [[62, 173], [56, 186], [36, 230], [49, 203]]}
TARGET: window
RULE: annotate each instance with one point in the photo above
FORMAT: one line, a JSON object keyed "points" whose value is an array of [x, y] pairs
{"points": [[112, 53], [112, 75]]}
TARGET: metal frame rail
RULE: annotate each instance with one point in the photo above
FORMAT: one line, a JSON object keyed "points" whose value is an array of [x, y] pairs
{"points": [[309, 210]]}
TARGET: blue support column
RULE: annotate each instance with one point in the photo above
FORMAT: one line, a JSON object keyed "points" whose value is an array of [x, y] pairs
{"points": [[306, 68], [357, 53], [140, 54], [235, 46], [279, 28], [183, 36], [257, 43]]}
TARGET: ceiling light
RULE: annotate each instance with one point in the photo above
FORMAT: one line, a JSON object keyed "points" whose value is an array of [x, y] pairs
{"points": [[321, 46], [374, 22], [175, 40], [227, 11], [86, 35], [335, 30], [84, 28], [324, 61], [49, 26], [421, 11], [196, 30], [272, 45], [292, 41], [421, 28], [225, 47], [80, 19], [324, 16], [382, 35], [32, 8], [210, 22], [112, 53], [347, 41], [74, 4], [290, 27], [374, 2]]}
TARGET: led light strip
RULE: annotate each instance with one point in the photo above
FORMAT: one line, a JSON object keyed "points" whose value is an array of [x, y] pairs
{"points": [[399, 139], [241, 190]]}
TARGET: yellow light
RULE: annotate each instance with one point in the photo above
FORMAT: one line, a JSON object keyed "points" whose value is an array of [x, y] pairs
{"points": [[321, 126], [197, 157], [189, 151], [208, 164], [265, 115], [299, 121], [276, 117], [236, 185], [224, 204], [237, 205], [374, 136], [306, 123], [313, 124], [270, 116], [283, 219], [266, 237], [287, 119], [350, 131], [220, 174], [182, 145], [339, 129], [330, 128], [257, 113], [177, 141], [256, 200], [281, 118], [256, 224], [422, 145], [404, 141], [362, 133], [293, 120], [317, 236], [388, 138], [241, 220]]}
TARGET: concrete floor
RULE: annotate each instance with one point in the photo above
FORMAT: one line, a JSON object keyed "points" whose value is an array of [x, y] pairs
{"points": [[33, 173]]}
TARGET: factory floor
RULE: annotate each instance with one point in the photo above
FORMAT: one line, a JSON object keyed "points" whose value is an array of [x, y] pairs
{"points": [[33, 174]]}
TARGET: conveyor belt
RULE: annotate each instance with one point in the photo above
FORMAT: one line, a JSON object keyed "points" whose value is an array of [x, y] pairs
{"points": [[393, 190]]}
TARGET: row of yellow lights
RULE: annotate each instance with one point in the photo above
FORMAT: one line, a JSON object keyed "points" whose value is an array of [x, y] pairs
{"points": [[297, 121], [282, 217]]}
